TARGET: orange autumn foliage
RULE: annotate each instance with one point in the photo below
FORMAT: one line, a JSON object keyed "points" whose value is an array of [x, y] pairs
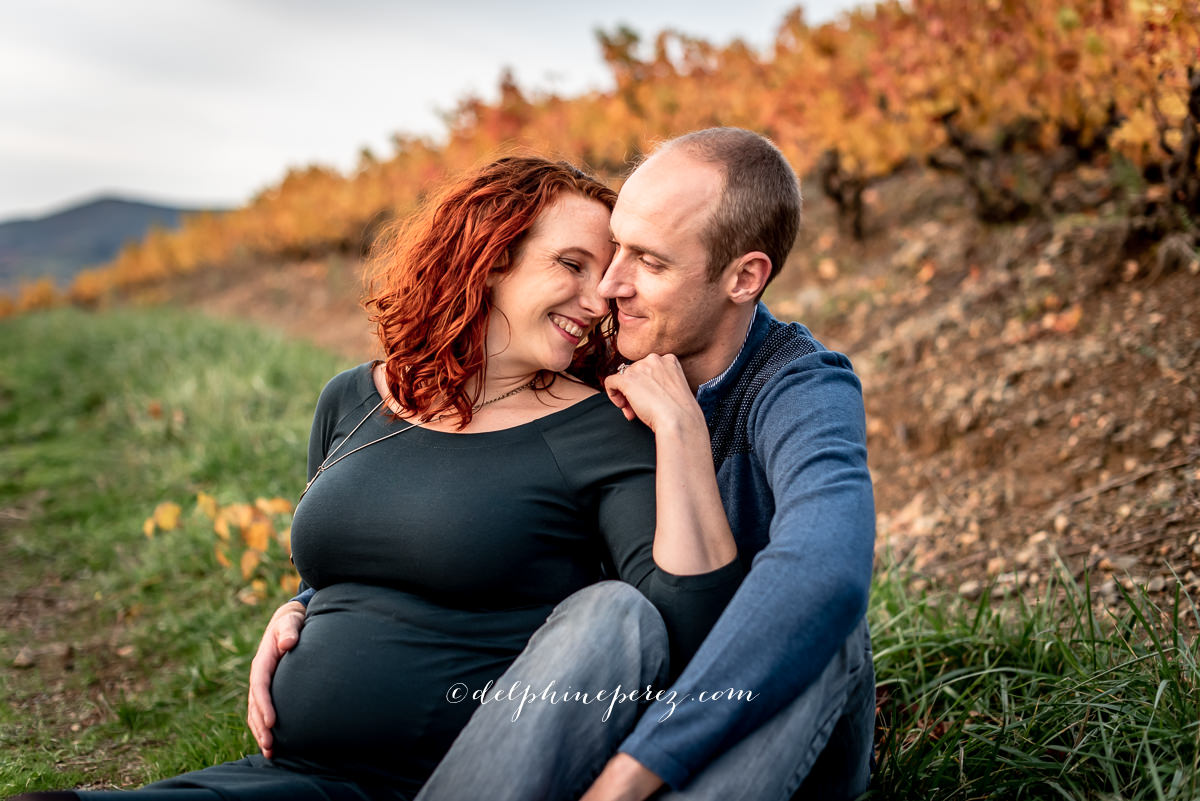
{"points": [[857, 99]]}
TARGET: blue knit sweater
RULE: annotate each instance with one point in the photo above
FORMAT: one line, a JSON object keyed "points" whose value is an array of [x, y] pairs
{"points": [[789, 443]]}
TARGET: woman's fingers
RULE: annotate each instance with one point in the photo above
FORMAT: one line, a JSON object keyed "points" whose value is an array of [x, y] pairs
{"points": [[618, 398], [653, 388], [282, 634]]}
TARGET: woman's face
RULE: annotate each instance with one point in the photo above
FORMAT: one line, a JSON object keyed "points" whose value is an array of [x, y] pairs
{"points": [[547, 302]]}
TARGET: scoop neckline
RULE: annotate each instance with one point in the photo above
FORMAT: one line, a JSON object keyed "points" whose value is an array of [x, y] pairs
{"points": [[369, 367]]}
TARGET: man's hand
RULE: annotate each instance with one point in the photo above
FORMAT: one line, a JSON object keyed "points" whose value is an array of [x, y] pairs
{"points": [[623, 779], [282, 634]]}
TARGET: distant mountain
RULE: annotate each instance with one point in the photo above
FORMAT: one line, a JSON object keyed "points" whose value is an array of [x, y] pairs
{"points": [[61, 244]]}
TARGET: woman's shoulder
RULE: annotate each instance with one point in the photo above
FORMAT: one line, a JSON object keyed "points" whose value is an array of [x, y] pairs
{"points": [[578, 406], [353, 379], [346, 390], [593, 428]]}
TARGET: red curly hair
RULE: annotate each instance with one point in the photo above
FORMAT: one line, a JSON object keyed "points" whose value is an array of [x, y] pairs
{"points": [[427, 288]]}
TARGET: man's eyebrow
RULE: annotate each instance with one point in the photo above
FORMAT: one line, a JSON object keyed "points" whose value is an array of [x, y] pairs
{"points": [[641, 249]]}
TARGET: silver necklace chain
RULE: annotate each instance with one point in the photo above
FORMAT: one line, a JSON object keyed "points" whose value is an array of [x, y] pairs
{"points": [[325, 465]]}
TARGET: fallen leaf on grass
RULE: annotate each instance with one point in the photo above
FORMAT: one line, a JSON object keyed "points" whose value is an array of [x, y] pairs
{"points": [[258, 534], [250, 560], [207, 504], [274, 506]]}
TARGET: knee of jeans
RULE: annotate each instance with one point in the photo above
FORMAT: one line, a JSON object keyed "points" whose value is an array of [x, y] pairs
{"points": [[605, 600], [613, 609]]}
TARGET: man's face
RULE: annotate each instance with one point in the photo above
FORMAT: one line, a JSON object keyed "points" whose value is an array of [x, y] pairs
{"points": [[658, 275]]}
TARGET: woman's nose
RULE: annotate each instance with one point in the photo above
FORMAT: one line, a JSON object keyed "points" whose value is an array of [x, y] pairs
{"points": [[592, 301]]}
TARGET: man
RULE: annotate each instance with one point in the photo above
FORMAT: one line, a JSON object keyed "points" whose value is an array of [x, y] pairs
{"points": [[701, 227]]}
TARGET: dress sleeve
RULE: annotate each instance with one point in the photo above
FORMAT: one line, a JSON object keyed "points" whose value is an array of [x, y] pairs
{"points": [[805, 590], [320, 437], [609, 463]]}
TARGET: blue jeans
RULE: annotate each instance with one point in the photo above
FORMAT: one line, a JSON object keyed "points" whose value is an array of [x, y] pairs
{"points": [[532, 742]]}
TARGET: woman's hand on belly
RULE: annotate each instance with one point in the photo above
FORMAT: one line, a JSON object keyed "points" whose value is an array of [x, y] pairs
{"points": [[282, 634]]}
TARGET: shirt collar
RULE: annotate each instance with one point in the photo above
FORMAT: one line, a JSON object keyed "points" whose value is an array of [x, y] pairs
{"points": [[711, 391]]}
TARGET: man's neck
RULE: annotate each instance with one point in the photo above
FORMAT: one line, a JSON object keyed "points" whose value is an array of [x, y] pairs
{"points": [[725, 345]]}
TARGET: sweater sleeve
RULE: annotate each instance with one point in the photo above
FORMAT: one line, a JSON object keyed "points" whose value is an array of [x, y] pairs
{"points": [[805, 590], [609, 464]]}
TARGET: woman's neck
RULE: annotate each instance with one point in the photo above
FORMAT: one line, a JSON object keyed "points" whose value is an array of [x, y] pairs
{"points": [[497, 385]]}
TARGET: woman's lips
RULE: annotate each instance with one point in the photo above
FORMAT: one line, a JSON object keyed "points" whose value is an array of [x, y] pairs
{"points": [[571, 328]]}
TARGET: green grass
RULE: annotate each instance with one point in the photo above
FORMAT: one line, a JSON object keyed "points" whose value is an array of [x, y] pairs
{"points": [[102, 417], [1036, 700]]}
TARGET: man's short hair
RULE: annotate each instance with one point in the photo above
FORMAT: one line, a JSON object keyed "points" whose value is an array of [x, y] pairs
{"points": [[760, 202]]}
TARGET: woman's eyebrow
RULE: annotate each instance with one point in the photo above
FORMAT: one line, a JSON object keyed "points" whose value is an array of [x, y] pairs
{"points": [[577, 249]]}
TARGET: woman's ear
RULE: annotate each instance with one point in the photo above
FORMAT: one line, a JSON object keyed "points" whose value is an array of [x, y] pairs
{"points": [[747, 276], [498, 271]]}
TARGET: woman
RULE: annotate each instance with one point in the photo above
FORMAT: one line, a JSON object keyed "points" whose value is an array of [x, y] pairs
{"points": [[460, 489]]}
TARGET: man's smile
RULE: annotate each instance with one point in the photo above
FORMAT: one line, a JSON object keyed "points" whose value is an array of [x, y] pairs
{"points": [[624, 317]]}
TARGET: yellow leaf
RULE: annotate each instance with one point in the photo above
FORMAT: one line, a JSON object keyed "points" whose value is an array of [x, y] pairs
{"points": [[148, 527], [222, 555], [290, 584], [239, 514], [166, 515], [260, 587], [285, 539], [247, 597], [258, 534], [1173, 108], [221, 526], [274, 506], [207, 504], [250, 561], [1137, 130]]}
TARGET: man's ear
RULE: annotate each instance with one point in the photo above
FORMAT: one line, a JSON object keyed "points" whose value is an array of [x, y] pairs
{"points": [[747, 276]]}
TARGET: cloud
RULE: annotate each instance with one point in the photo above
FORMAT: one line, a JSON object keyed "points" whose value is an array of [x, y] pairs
{"points": [[212, 100]]}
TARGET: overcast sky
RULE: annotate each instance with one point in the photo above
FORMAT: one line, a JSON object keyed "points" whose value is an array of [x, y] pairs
{"points": [[207, 101]]}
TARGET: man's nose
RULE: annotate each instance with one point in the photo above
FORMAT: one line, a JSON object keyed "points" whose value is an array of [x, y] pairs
{"points": [[614, 283]]}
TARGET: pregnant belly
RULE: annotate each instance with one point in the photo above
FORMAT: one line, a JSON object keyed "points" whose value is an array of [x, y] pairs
{"points": [[364, 690]]}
